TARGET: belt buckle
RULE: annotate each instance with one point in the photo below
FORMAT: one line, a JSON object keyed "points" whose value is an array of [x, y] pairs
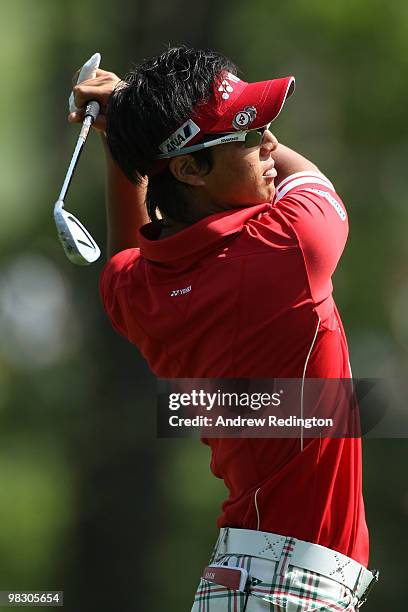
{"points": [[363, 599]]}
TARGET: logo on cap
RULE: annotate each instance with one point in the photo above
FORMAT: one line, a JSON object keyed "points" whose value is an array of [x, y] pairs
{"points": [[180, 137], [226, 87], [244, 118]]}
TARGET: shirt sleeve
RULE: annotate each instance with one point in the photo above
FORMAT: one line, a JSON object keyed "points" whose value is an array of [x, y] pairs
{"points": [[116, 275], [309, 204]]}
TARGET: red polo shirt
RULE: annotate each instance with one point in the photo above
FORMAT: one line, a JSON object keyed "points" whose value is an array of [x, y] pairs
{"points": [[247, 293]]}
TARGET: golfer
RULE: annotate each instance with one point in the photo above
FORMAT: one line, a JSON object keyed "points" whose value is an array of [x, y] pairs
{"points": [[231, 278]]}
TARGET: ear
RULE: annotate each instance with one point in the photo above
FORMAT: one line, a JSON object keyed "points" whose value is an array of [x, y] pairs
{"points": [[186, 170]]}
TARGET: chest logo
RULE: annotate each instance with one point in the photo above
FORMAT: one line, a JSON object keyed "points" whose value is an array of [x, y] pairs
{"points": [[176, 292]]}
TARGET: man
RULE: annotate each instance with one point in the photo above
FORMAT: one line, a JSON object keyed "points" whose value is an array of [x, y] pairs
{"points": [[232, 279]]}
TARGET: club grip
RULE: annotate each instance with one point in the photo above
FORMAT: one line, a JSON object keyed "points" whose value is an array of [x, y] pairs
{"points": [[92, 110]]}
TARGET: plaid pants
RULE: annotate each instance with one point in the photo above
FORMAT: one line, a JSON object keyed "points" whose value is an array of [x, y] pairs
{"points": [[273, 587]]}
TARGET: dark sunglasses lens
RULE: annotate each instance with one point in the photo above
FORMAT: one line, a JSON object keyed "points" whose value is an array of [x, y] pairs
{"points": [[254, 138]]}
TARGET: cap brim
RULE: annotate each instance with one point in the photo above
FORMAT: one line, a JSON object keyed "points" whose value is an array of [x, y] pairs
{"points": [[268, 99]]}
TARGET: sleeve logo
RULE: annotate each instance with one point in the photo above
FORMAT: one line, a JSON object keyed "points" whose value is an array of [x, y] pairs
{"points": [[327, 196]]}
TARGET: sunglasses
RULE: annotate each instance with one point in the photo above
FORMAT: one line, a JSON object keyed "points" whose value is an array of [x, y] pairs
{"points": [[250, 138]]}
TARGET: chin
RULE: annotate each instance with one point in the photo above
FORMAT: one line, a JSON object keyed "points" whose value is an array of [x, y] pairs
{"points": [[271, 194]]}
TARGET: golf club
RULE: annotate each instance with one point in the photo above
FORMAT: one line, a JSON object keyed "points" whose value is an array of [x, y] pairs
{"points": [[78, 244]]}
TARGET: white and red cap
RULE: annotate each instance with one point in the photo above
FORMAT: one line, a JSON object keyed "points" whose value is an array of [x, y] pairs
{"points": [[234, 106]]}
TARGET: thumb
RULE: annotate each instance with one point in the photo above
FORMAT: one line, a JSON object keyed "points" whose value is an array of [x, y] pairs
{"points": [[76, 116]]}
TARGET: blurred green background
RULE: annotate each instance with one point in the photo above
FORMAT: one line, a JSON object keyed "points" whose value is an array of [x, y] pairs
{"points": [[90, 501]]}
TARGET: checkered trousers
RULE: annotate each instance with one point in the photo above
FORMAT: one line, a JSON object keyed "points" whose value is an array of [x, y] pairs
{"points": [[273, 587]]}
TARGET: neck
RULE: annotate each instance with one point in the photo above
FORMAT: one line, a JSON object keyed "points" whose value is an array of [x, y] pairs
{"points": [[197, 210]]}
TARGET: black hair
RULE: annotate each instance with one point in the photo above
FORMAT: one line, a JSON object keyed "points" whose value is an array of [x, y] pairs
{"points": [[151, 102]]}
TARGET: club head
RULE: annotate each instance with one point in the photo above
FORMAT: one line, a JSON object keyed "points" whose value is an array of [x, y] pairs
{"points": [[78, 244]]}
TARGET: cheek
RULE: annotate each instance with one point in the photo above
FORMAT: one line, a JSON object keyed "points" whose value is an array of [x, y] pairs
{"points": [[229, 179], [244, 174], [249, 177], [238, 178]]}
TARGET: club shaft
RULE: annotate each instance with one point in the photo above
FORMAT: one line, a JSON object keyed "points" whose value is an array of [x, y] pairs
{"points": [[86, 125]]}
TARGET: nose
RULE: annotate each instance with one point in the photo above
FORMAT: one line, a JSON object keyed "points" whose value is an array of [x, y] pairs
{"points": [[269, 142]]}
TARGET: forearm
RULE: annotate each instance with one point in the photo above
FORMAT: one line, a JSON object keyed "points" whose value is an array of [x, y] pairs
{"points": [[288, 162], [125, 207]]}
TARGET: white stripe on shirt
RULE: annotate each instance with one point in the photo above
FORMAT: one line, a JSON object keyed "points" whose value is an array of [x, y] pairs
{"points": [[301, 178]]}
